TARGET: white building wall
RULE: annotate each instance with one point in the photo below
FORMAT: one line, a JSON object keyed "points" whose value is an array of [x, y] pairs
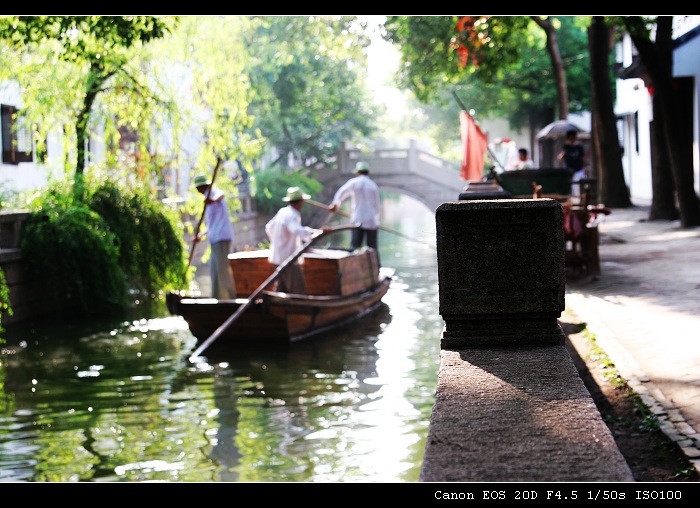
{"points": [[686, 63], [634, 108], [25, 175]]}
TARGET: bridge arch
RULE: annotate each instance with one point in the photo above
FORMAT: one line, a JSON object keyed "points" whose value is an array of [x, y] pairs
{"points": [[427, 178]]}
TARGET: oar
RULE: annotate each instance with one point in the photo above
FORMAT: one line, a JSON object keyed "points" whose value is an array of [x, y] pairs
{"points": [[201, 217], [251, 299], [383, 228]]}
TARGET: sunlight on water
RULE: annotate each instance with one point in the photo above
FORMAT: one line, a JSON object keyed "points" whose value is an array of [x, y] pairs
{"points": [[121, 402]]}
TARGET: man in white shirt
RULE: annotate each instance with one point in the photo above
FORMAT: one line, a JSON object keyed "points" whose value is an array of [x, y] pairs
{"points": [[524, 162], [287, 235], [364, 197]]}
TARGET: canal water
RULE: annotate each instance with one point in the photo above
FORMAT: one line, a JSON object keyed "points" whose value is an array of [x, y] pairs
{"points": [[119, 401]]}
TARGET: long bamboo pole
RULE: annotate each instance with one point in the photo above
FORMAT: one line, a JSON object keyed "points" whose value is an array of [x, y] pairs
{"points": [[383, 228], [201, 217], [194, 357]]}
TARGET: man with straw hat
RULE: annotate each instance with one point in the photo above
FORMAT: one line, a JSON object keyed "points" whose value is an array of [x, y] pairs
{"points": [[220, 232], [286, 236]]}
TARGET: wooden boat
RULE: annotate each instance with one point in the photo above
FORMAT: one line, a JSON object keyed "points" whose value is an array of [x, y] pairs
{"points": [[342, 286]]}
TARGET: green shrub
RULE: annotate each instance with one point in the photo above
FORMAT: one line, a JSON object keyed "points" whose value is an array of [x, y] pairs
{"points": [[96, 251], [271, 184], [150, 237], [5, 305]]}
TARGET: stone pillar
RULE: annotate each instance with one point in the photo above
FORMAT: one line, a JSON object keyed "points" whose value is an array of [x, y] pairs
{"points": [[501, 272]]}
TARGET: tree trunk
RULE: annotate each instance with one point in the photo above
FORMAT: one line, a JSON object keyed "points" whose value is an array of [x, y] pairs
{"points": [[663, 201], [612, 189], [96, 78], [81, 133], [557, 65], [657, 58], [672, 127]]}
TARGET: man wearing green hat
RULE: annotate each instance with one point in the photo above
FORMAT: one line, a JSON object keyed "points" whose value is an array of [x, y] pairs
{"points": [[364, 198], [220, 233], [286, 236]]}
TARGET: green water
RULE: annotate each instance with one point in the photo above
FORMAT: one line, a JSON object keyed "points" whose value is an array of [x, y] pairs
{"points": [[120, 401]]}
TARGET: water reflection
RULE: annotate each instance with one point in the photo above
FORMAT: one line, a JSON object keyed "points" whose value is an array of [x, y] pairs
{"points": [[121, 402], [313, 395]]}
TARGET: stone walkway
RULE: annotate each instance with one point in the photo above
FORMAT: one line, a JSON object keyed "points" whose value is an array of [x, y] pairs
{"points": [[645, 312]]}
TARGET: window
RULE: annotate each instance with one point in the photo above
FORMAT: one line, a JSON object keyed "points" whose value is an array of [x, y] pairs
{"points": [[128, 139], [16, 137]]}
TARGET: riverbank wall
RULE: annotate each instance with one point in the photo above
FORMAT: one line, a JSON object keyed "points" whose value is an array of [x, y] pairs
{"points": [[26, 300]]}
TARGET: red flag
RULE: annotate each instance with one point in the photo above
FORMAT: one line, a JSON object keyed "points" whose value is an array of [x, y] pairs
{"points": [[475, 144]]}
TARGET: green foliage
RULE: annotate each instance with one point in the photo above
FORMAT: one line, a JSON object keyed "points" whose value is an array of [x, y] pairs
{"points": [[65, 63], [150, 236], [5, 304], [94, 253], [7, 397], [514, 77], [308, 77], [84, 37], [296, 80], [688, 472], [649, 422], [271, 184], [572, 36], [427, 57], [71, 254], [7, 198]]}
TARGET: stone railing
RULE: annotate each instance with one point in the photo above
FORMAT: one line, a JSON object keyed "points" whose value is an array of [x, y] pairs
{"points": [[510, 405]]}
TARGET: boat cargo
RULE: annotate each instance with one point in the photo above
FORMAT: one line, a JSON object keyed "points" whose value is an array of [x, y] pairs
{"points": [[342, 286]]}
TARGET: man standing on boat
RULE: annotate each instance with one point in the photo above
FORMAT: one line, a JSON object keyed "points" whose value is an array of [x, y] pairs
{"points": [[287, 235], [220, 232], [364, 198]]}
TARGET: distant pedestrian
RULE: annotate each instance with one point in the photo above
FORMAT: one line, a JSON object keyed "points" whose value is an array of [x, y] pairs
{"points": [[572, 153], [219, 229], [364, 197], [524, 161]]}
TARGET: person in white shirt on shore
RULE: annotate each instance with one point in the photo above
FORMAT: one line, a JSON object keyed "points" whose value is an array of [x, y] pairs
{"points": [[524, 161]]}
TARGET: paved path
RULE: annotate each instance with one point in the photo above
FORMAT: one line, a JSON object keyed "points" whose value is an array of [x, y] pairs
{"points": [[645, 311]]}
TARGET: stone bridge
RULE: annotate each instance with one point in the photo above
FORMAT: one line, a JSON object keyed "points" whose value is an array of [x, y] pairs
{"points": [[413, 172]]}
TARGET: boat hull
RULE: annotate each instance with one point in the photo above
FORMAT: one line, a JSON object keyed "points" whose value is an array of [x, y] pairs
{"points": [[285, 318]]}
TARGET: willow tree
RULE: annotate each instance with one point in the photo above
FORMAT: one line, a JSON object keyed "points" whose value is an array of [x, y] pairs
{"points": [[202, 66], [68, 61]]}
